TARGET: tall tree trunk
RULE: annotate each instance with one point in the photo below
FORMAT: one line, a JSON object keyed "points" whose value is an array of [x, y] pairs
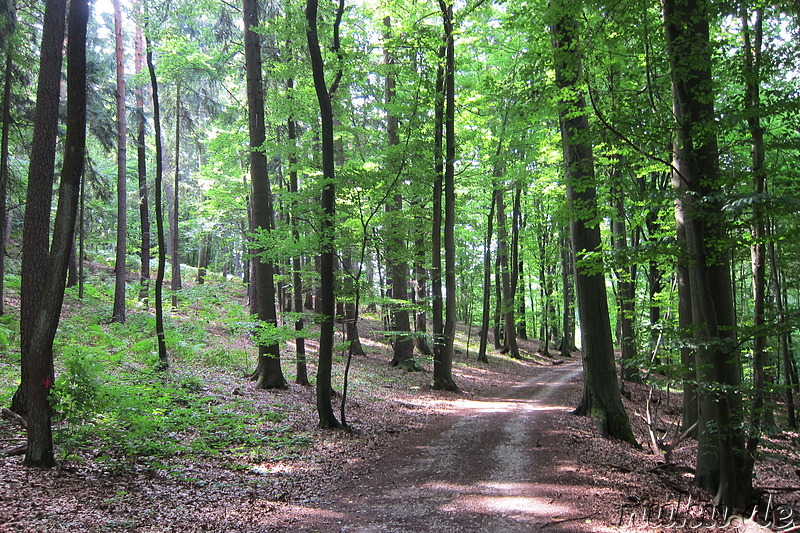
{"points": [[141, 171], [81, 238], [691, 408], [626, 287], [497, 330], [443, 360], [174, 231], [396, 262], [752, 74], [39, 451], [36, 229], [6, 117], [437, 302], [268, 373], [352, 290], [487, 284], [327, 305], [696, 172], [421, 277], [159, 186], [120, 267], [601, 396], [784, 343], [72, 264], [507, 308], [301, 368], [568, 294], [517, 266], [202, 258]]}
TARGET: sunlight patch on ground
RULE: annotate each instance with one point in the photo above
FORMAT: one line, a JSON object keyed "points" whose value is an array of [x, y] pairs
{"points": [[490, 497], [273, 468], [515, 505]]}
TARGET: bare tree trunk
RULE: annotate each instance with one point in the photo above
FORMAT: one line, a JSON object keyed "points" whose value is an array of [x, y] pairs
{"points": [[443, 359], [301, 368], [159, 208], [421, 276], [497, 330], [507, 308], [785, 351], [36, 232], [6, 117], [327, 419], [202, 258], [601, 395], [396, 249], [174, 231], [39, 451], [141, 170], [752, 75], [268, 373], [568, 295], [626, 288], [120, 267], [516, 264], [696, 174], [487, 284]]}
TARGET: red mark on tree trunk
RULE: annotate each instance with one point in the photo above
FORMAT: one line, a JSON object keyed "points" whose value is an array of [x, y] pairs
{"points": [[48, 382]]}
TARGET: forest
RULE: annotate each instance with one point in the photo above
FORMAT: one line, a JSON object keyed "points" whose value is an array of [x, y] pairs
{"points": [[279, 191]]}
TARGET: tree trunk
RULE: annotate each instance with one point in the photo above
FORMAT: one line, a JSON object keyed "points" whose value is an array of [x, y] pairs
{"points": [[696, 174], [443, 359], [202, 258], [568, 295], [268, 373], [784, 344], [421, 277], [327, 419], [301, 368], [396, 262], [120, 267], [141, 170], [6, 117], [626, 287], [507, 308], [601, 396], [752, 75], [487, 284], [517, 266], [72, 264], [497, 330], [163, 360], [39, 451], [36, 229], [174, 231], [81, 238], [351, 307], [437, 303]]}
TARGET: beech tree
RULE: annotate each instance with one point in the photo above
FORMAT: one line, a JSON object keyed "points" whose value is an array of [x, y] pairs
{"points": [[601, 397], [327, 419], [696, 176], [268, 373]]}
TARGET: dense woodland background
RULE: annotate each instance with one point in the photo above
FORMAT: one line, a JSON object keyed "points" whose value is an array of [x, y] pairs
{"points": [[606, 176]]}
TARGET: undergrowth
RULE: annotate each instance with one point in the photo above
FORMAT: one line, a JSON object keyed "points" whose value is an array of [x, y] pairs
{"points": [[112, 408]]}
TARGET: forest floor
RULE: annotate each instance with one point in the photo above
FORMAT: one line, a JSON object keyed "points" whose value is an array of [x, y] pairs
{"points": [[503, 454]]}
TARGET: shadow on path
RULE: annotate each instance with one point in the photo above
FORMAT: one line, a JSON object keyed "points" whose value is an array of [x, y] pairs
{"points": [[498, 463]]}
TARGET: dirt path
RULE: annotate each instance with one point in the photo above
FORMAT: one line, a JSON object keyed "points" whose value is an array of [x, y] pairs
{"points": [[495, 463]]}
